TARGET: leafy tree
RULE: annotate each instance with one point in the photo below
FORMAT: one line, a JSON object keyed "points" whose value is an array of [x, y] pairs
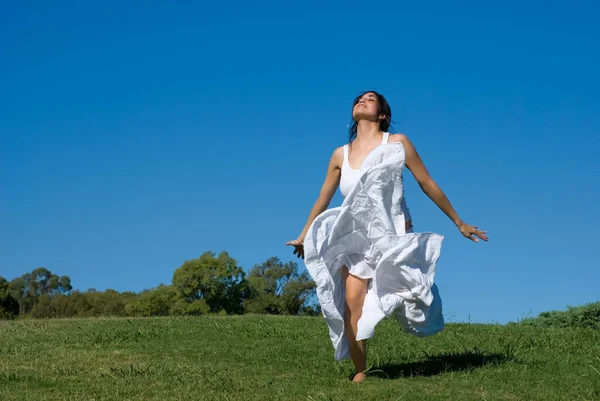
{"points": [[18, 291], [217, 282], [76, 304], [196, 308], [208, 284], [46, 306], [107, 303], [9, 306], [41, 281], [159, 301], [278, 288], [82, 304]]}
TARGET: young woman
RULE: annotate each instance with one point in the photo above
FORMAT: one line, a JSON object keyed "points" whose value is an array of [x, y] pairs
{"points": [[364, 256]]}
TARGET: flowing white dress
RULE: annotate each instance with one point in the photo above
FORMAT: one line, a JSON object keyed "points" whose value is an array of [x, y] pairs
{"points": [[367, 234]]}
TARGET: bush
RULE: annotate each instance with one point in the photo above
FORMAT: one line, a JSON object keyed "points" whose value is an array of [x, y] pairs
{"points": [[156, 302], [9, 306]]}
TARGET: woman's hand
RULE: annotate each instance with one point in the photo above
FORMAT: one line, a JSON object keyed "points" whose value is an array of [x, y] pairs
{"points": [[298, 247], [470, 231]]}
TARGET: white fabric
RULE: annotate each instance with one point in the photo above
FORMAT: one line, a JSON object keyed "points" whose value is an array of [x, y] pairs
{"points": [[367, 233], [350, 176]]}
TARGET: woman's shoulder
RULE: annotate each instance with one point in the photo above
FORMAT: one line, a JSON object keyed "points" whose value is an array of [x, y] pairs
{"points": [[398, 138], [338, 152], [337, 156]]}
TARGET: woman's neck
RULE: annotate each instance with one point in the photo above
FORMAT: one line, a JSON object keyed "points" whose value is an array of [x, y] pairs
{"points": [[368, 131]]}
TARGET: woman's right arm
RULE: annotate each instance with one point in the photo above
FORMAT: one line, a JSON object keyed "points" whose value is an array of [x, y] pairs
{"points": [[332, 181]]}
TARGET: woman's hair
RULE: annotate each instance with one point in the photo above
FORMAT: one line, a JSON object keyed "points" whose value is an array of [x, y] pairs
{"points": [[382, 108]]}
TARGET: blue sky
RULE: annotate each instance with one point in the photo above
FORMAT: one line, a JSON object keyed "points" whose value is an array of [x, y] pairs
{"points": [[135, 137]]}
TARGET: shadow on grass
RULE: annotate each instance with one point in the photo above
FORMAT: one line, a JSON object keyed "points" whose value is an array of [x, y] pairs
{"points": [[435, 365]]}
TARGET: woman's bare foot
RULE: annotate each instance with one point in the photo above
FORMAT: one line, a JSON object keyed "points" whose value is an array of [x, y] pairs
{"points": [[359, 378]]}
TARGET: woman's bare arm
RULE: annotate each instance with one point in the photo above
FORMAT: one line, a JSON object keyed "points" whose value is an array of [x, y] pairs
{"points": [[433, 191], [332, 181]]}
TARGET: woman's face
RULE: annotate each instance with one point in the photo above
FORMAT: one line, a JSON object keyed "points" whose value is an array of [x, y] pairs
{"points": [[366, 107]]}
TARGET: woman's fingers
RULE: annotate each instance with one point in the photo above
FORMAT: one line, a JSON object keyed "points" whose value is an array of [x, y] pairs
{"points": [[478, 233]]}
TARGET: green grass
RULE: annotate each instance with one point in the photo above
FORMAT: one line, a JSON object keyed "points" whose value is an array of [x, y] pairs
{"points": [[289, 358]]}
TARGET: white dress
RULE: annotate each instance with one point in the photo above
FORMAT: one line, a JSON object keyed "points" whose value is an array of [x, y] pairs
{"points": [[367, 234]]}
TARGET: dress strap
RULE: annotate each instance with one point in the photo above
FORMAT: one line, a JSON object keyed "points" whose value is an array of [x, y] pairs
{"points": [[386, 135], [345, 155]]}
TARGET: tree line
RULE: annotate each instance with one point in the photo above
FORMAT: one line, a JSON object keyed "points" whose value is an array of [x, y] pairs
{"points": [[210, 284]]}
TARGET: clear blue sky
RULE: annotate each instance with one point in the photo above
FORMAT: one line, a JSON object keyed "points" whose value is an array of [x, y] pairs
{"points": [[134, 137]]}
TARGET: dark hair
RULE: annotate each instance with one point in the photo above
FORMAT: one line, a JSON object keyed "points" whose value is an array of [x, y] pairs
{"points": [[382, 108]]}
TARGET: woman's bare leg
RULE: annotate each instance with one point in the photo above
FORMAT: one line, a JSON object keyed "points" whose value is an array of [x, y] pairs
{"points": [[356, 290]]}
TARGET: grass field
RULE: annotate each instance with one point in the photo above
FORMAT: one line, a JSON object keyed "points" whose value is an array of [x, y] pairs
{"points": [[288, 358]]}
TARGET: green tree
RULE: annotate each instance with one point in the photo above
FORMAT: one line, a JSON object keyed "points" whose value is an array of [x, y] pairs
{"points": [[41, 281], [9, 306], [18, 290], [159, 301], [211, 283], [47, 306], [278, 288], [83, 304]]}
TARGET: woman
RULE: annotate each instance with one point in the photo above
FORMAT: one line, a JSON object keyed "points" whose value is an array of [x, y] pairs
{"points": [[364, 256]]}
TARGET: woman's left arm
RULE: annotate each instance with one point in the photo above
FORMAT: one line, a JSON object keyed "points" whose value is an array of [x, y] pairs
{"points": [[434, 192]]}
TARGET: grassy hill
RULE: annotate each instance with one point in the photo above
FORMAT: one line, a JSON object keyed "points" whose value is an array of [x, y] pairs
{"points": [[289, 358], [587, 315]]}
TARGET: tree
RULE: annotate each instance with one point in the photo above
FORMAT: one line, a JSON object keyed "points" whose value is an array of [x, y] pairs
{"points": [[159, 301], [17, 289], [41, 281], [9, 306], [211, 283], [108, 303], [278, 288]]}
